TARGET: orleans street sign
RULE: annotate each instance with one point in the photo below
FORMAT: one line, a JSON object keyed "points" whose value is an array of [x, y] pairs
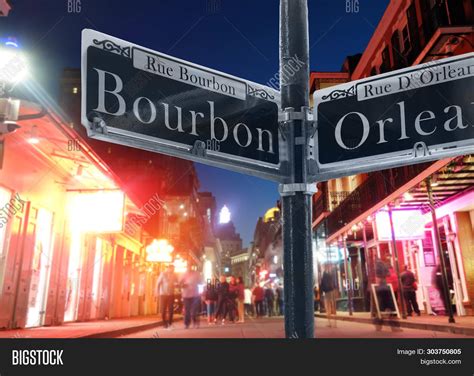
{"points": [[421, 113], [145, 99]]}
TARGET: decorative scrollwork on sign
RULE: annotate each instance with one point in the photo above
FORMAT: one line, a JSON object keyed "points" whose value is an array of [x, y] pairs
{"points": [[262, 93], [108, 45], [336, 94]]}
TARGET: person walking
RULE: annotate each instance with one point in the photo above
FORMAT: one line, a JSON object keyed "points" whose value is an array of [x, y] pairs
{"points": [[387, 305], [232, 299], [409, 291], [270, 300], [280, 300], [222, 300], [190, 282], [165, 287], [328, 288], [316, 297], [258, 296], [248, 302], [392, 279], [210, 297], [240, 300]]}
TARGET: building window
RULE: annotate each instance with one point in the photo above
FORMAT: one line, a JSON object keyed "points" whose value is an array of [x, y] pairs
{"points": [[385, 60], [396, 50], [406, 44]]}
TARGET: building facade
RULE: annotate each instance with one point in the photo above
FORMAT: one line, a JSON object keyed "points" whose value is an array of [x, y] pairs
{"points": [[77, 218], [351, 215], [65, 252]]}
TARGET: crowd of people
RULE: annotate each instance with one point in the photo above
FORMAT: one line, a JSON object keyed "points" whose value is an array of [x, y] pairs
{"points": [[224, 298], [232, 300]]}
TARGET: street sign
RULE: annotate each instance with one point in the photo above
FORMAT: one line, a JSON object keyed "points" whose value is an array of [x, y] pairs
{"points": [[141, 98], [412, 115]]}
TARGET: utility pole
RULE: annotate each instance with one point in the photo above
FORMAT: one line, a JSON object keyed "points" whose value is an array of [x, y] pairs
{"points": [[397, 263], [296, 192]]}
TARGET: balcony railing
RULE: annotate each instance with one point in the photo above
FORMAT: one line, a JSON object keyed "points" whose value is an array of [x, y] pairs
{"points": [[320, 201], [375, 188]]}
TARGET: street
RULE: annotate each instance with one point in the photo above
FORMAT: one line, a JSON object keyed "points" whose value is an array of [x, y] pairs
{"points": [[273, 328]]}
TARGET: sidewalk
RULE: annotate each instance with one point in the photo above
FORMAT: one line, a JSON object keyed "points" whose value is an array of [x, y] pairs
{"points": [[89, 329], [464, 325]]}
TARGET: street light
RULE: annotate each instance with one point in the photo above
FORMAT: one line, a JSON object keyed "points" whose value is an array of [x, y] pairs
{"points": [[13, 65], [13, 69], [180, 265], [159, 251]]}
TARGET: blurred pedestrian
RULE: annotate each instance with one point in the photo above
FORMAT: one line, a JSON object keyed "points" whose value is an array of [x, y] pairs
{"points": [[190, 282], [409, 291], [210, 297], [222, 300], [165, 287], [258, 296], [240, 300], [393, 280], [270, 300], [437, 281], [248, 302], [232, 299], [328, 287], [317, 297], [387, 302], [280, 300]]}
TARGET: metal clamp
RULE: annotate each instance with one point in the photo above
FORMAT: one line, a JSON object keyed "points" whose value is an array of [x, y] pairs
{"points": [[289, 114], [291, 189], [98, 125], [420, 150], [199, 149]]}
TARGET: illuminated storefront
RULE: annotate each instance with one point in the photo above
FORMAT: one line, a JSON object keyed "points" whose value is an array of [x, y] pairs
{"points": [[352, 211], [64, 253]]}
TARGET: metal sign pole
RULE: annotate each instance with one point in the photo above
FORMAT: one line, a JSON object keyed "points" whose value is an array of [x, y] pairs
{"points": [[397, 263], [297, 193]]}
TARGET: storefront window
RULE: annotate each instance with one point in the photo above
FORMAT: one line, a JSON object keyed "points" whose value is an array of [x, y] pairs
{"points": [[96, 278], [40, 269], [73, 278]]}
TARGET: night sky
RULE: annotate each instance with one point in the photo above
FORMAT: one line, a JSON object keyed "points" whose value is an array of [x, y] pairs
{"points": [[236, 37]]}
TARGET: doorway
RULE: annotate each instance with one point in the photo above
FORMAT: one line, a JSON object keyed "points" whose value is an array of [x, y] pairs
{"points": [[40, 269]]}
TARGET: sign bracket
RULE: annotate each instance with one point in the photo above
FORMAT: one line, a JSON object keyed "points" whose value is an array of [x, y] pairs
{"points": [[291, 189], [98, 125], [420, 150], [289, 114], [199, 149]]}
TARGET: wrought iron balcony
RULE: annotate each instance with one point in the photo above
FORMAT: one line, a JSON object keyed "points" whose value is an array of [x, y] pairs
{"points": [[375, 188]]}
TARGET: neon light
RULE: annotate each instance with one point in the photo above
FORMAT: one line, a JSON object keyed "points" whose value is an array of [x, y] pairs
{"points": [[159, 251], [97, 211], [180, 265], [408, 224]]}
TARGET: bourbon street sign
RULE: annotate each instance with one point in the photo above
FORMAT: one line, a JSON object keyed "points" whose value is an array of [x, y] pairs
{"points": [[145, 99], [421, 113]]}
